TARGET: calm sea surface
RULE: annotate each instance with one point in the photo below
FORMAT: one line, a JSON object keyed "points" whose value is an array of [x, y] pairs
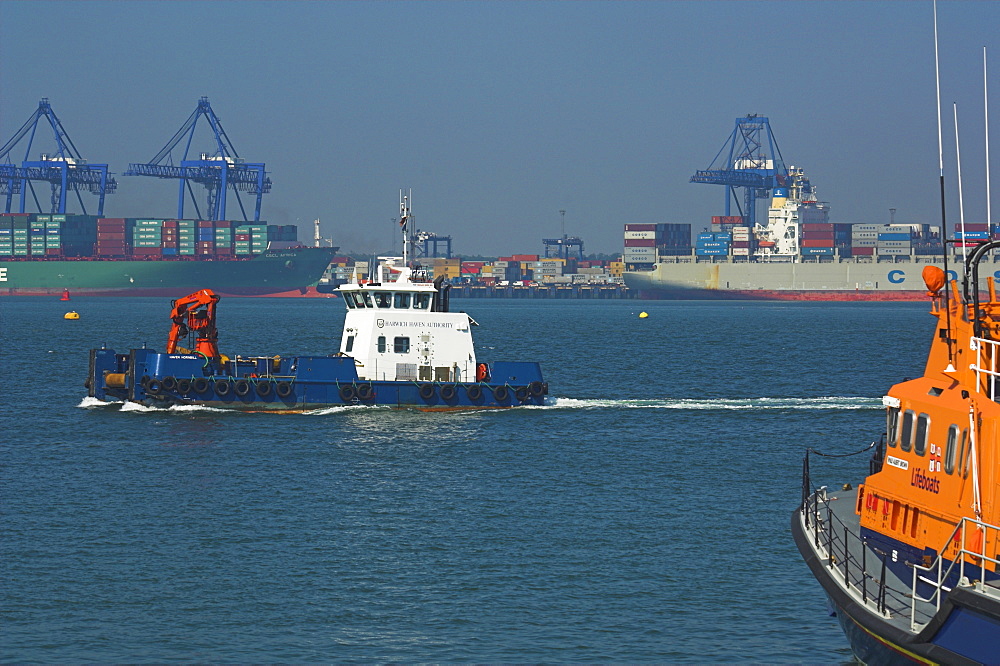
{"points": [[641, 516]]}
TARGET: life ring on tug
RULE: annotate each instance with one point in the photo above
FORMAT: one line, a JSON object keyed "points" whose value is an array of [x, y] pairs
{"points": [[264, 388], [242, 387], [347, 393], [482, 372], [427, 391], [448, 391], [501, 393], [474, 391], [365, 392], [283, 389], [536, 389], [521, 393]]}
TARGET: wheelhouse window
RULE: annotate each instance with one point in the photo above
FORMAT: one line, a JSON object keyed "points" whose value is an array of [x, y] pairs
{"points": [[949, 450], [401, 345], [906, 434], [349, 302], [368, 299], [383, 299], [381, 344], [402, 300], [892, 425], [421, 301], [920, 437], [356, 297]]}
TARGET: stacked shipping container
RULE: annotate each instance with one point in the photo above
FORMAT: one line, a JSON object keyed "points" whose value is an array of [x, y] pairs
{"points": [[32, 235]]}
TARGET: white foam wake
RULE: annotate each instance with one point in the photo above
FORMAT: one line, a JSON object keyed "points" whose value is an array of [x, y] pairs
{"points": [[749, 404]]}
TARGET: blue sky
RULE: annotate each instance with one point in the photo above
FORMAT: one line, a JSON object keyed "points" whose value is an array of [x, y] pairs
{"points": [[500, 114]]}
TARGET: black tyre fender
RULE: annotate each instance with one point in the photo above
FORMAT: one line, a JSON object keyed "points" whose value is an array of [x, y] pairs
{"points": [[448, 391], [283, 389], [474, 391], [264, 388], [183, 386], [347, 393], [536, 389], [144, 382], [199, 385], [365, 392], [241, 387], [501, 393], [223, 387], [154, 386], [427, 391], [168, 383], [521, 393]]}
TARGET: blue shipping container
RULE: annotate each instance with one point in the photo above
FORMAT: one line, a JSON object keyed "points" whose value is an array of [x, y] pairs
{"points": [[816, 250], [894, 236], [971, 235], [712, 245], [707, 252]]}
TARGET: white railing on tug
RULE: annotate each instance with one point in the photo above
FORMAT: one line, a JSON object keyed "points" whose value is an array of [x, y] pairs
{"points": [[991, 357], [967, 541]]}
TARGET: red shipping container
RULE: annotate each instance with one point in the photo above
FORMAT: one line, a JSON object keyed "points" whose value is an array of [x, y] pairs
{"points": [[170, 224], [224, 251], [223, 224], [740, 244], [640, 242], [817, 226], [146, 252], [806, 242], [640, 227], [53, 252], [242, 237], [818, 235], [862, 251], [525, 257], [205, 224], [114, 220], [972, 227]]}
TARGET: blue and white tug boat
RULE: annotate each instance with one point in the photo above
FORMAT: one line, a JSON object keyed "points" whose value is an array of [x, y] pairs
{"points": [[401, 347]]}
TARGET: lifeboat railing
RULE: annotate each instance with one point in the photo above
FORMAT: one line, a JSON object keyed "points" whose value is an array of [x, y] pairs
{"points": [[963, 559], [985, 367], [844, 550]]}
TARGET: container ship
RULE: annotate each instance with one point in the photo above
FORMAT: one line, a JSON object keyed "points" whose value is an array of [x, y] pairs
{"points": [[798, 254], [88, 255]]}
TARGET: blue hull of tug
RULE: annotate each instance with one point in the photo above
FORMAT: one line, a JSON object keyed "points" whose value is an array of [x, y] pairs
{"points": [[295, 383]]}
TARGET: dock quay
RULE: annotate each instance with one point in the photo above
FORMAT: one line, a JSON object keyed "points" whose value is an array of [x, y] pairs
{"points": [[595, 291]]}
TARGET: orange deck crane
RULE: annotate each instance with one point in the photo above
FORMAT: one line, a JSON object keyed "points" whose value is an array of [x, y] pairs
{"points": [[195, 312]]}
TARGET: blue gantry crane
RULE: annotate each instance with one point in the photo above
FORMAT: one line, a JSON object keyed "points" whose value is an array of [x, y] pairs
{"points": [[752, 163], [64, 170], [218, 172]]}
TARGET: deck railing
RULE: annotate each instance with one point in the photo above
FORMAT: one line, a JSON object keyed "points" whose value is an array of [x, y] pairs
{"points": [[842, 549], [987, 358], [966, 564]]}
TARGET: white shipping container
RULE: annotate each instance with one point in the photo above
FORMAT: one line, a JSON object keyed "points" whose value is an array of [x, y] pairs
{"points": [[741, 252], [500, 264], [644, 235], [893, 250]]}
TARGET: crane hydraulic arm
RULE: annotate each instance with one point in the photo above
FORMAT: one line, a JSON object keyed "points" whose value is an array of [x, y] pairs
{"points": [[195, 312]]}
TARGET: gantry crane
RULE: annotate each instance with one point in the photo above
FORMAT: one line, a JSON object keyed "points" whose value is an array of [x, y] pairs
{"points": [[64, 170], [218, 172], [752, 162]]}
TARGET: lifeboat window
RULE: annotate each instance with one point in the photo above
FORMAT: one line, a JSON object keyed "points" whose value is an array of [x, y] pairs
{"points": [[892, 425], [913, 522], [368, 299], [402, 300], [906, 435], [381, 344], [383, 299], [963, 454], [401, 345], [358, 301], [920, 438], [421, 301], [349, 346], [949, 450]]}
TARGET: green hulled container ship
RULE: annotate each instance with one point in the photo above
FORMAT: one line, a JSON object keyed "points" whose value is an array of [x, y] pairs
{"points": [[52, 254]]}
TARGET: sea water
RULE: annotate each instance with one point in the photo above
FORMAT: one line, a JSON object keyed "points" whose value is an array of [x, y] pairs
{"points": [[641, 515]]}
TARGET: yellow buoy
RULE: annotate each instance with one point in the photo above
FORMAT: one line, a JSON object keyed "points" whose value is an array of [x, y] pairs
{"points": [[71, 315], [643, 315]]}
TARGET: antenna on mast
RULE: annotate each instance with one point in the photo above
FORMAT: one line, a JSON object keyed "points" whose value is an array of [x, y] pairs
{"points": [[944, 225], [404, 219]]}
